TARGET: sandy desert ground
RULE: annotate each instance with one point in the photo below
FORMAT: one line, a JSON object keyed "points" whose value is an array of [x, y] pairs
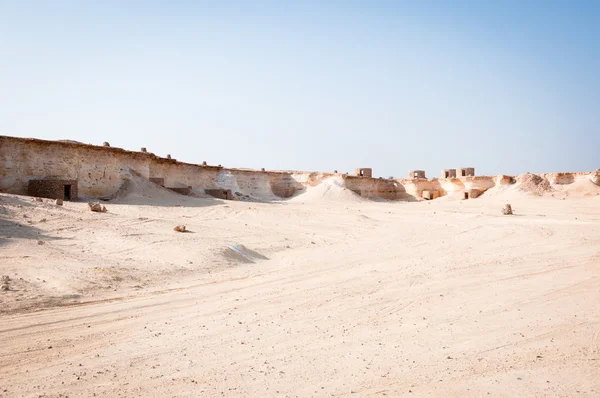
{"points": [[325, 294]]}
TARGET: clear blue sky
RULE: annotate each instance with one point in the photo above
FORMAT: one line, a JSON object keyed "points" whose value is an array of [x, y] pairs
{"points": [[503, 86]]}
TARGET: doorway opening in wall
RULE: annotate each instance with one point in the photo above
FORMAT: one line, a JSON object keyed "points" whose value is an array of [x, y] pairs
{"points": [[466, 195], [447, 174], [464, 173], [361, 173], [67, 193]]}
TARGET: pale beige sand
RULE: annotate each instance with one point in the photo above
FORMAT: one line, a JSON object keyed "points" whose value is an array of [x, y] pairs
{"points": [[357, 298]]}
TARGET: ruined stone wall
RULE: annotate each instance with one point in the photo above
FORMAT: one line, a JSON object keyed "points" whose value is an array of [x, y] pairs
{"points": [[99, 172], [97, 169], [377, 188]]}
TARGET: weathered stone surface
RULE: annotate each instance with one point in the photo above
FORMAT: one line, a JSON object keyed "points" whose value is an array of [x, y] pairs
{"points": [[474, 193], [507, 210], [97, 207], [180, 228], [59, 202]]}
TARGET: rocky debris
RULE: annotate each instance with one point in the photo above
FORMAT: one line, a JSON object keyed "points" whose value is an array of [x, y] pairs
{"points": [[5, 286], [59, 202], [143, 149], [169, 156], [180, 228], [39, 199], [507, 210], [97, 207], [40, 242], [105, 144], [534, 184]]}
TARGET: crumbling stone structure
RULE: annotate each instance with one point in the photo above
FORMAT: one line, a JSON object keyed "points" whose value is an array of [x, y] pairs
{"points": [[430, 195], [415, 174], [53, 189], [448, 173], [474, 193], [363, 172], [182, 191], [471, 194], [158, 181], [220, 193], [465, 172]]}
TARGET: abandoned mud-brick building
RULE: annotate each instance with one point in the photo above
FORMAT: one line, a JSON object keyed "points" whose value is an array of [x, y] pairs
{"points": [[465, 172], [414, 174], [220, 193], [363, 172], [53, 189], [448, 173]]}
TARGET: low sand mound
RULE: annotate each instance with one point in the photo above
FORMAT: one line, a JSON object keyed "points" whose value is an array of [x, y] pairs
{"points": [[138, 190], [579, 188], [330, 189], [533, 184], [241, 254]]}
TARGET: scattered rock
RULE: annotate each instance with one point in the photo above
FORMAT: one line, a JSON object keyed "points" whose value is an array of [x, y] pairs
{"points": [[180, 228], [5, 278], [5, 287], [106, 144], [97, 207], [40, 242], [507, 210], [59, 202], [143, 149], [39, 199]]}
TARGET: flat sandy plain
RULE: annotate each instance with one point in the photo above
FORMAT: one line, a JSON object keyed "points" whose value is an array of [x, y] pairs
{"points": [[353, 297]]}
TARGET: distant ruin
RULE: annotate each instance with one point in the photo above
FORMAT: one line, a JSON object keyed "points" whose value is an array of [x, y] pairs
{"points": [[448, 173], [363, 172], [71, 170], [220, 193], [416, 174], [465, 172]]}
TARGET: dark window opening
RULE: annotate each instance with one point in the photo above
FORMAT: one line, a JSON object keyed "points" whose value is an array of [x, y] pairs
{"points": [[67, 193], [466, 195], [464, 173], [447, 174]]}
